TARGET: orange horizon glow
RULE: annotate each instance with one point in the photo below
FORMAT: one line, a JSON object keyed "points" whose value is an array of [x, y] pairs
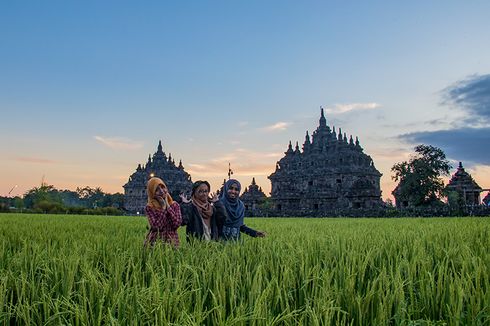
{"points": [[19, 184]]}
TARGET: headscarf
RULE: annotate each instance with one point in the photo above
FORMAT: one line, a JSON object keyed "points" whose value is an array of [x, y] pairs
{"points": [[151, 189], [204, 207], [234, 206]]}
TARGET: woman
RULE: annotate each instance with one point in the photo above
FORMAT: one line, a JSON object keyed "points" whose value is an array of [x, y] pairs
{"points": [[203, 216], [235, 212], [163, 214]]}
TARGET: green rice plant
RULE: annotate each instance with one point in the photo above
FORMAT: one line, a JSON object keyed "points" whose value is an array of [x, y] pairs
{"points": [[93, 270]]}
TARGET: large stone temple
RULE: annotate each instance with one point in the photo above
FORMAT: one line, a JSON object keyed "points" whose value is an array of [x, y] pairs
{"points": [[331, 172], [175, 177]]}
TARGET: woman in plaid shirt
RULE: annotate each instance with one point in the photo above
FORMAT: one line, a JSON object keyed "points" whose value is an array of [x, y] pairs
{"points": [[163, 214]]}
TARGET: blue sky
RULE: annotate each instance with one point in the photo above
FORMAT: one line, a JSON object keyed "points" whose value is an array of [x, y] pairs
{"points": [[88, 88]]}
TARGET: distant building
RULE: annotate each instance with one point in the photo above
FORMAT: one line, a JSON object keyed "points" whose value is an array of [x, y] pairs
{"points": [[462, 183], [252, 198], [486, 200], [331, 172], [400, 202], [175, 177]]}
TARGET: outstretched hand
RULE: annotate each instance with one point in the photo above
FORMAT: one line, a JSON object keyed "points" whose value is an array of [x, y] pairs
{"points": [[184, 198], [261, 234], [214, 197]]}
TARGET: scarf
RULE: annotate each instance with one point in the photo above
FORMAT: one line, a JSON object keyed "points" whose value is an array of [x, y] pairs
{"points": [[204, 208], [151, 189], [234, 206]]}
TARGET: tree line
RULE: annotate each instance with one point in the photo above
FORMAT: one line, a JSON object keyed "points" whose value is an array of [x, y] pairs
{"points": [[48, 199]]}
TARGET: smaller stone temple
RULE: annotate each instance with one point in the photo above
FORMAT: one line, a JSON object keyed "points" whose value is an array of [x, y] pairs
{"points": [[252, 197], [462, 183], [174, 176]]}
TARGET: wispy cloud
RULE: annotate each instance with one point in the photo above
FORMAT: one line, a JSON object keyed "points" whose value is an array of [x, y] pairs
{"points": [[119, 143], [243, 162], [443, 122], [278, 126], [397, 154], [472, 95], [37, 160], [243, 124], [344, 108]]}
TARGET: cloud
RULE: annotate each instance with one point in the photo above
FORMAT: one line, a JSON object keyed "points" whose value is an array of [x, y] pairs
{"points": [[278, 126], [119, 143], [343, 108], [243, 162], [464, 144], [472, 95], [434, 123], [465, 139], [38, 160]]}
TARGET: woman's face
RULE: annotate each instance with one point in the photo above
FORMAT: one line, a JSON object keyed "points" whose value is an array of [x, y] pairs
{"points": [[161, 191], [233, 191], [202, 192]]}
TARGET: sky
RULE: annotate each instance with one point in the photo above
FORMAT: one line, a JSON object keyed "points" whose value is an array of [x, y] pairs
{"points": [[87, 89]]}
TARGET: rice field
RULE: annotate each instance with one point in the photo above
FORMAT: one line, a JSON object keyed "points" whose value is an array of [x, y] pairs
{"points": [[92, 270]]}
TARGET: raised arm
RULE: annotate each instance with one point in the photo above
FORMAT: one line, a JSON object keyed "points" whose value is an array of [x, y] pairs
{"points": [[174, 215]]}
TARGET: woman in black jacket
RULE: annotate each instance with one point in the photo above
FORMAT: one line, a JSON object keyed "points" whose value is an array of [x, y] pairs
{"points": [[203, 215]]}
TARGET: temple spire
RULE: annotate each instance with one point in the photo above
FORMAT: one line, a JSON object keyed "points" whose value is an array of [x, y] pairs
{"points": [[160, 148], [253, 181], [323, 121], [290, 148]]}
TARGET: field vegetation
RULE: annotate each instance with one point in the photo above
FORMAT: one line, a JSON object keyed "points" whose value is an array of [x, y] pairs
{"points": [[92, 270]]}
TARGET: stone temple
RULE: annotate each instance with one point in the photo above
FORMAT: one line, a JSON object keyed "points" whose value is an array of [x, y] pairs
{"points": [[330, 173], [462, 183], [253, 197], [175, 177]]}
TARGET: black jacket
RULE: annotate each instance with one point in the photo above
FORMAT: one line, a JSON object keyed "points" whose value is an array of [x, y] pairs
{"points": [[193, 221]]}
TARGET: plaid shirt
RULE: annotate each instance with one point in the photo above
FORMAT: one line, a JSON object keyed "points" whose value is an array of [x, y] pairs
{"points": [[163, 224]]}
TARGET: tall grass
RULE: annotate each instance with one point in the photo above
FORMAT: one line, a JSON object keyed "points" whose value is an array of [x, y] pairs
{"points": [[88, 270]]}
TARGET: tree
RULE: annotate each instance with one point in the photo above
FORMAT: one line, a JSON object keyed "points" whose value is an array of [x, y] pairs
{"points": [[42, 194], [420, 182]]}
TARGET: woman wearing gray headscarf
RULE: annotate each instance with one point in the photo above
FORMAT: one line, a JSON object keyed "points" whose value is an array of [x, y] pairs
{"points": [[235, 213]]}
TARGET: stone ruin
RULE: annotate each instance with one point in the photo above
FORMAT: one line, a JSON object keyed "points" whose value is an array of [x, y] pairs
{"points": [[174, 176]]}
